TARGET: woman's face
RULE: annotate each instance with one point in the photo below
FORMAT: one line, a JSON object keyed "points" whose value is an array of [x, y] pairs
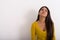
{"points": [[43, 12]]}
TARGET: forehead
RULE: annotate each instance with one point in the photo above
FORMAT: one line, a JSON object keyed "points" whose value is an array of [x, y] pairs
{"points": [[44, 8]]}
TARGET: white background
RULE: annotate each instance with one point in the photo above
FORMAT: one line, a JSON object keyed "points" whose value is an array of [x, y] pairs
{"points": [[16, 17]]}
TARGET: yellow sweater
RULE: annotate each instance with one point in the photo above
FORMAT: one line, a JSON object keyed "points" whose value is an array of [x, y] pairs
{"points": [[37, 33]]}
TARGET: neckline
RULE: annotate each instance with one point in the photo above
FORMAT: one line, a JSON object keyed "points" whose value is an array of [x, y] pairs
{"points": [[40, 28]]}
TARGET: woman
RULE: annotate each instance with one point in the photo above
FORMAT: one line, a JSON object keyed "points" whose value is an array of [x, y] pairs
{"points": [[43, 27]]}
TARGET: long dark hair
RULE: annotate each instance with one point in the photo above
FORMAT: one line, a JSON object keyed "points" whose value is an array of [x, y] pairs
{"points": [[49, 24]]}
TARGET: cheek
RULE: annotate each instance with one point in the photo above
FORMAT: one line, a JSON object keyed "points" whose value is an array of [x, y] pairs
{"points": [[40, 13], [46, 13]]}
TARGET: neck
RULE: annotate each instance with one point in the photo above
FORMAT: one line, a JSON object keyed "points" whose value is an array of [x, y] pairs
{"points": [[42, 19]]}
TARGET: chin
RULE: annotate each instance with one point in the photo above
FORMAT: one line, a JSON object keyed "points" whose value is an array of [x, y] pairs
{"points": [[43, 16]]}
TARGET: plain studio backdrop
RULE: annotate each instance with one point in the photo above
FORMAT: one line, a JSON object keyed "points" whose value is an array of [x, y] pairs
{"points": [[16, 17]]}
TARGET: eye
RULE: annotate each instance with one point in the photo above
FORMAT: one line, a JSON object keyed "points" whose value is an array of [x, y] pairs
{"points": [[42, 9], [46, 10]]}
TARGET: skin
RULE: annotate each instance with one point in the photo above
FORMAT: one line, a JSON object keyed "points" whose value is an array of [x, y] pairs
{"points": [[41, 22]]}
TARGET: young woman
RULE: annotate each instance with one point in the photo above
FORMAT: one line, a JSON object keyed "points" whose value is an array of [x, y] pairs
{"points": [[43, 27]]}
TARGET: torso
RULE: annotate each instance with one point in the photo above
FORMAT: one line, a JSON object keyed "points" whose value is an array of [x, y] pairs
{"points": [[41, 35], [42, 26]]}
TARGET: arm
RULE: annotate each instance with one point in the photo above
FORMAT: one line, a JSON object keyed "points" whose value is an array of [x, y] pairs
{"points": [[33, 32]]}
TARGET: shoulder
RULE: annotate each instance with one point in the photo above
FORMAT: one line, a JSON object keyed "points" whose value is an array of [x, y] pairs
{"points": [[33, 23]]}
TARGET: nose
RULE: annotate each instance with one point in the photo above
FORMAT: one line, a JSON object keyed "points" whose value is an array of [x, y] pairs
{"points": [[43, 11]]}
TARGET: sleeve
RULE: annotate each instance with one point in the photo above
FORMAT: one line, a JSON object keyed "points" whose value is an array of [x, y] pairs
{"points": [[33, 32]]}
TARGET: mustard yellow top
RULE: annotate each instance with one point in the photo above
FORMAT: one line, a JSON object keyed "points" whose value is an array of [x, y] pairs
{"points": [[37, 33]]}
